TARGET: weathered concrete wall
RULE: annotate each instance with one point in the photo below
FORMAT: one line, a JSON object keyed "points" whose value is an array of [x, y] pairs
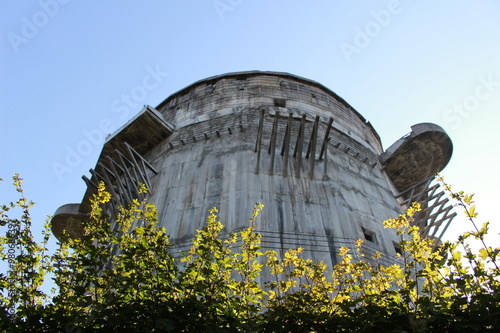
{"points": [[219, 96], [290, 143], [210, 160]]}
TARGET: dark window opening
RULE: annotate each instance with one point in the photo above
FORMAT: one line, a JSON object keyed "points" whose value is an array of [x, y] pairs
{"points": [[279, 102], [397, 248], [369, 235]]}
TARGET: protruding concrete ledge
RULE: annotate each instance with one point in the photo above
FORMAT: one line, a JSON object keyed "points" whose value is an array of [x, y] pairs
{"points": [[68, 218], [143, 132], [417, 156]]}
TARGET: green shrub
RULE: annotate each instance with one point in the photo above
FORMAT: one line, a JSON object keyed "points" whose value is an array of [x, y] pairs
{"points": [[126, 280]]}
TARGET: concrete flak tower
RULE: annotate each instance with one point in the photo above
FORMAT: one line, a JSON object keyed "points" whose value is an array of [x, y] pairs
{"points": [[290, 143]]}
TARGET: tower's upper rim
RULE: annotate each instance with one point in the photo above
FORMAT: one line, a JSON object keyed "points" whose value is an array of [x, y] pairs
{"points": [[270, 73]]}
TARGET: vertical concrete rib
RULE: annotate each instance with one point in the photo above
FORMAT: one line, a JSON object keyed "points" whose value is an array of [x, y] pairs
{"points": [[144, 162], [122, 191], [312, 145], [141, 171], [299, 145], [286, 143], [325, 166], [326, 139], [259, 139], [129, 180], [272, 146]]}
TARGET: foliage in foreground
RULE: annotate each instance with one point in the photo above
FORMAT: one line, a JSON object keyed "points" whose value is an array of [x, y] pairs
{"points": [[128, 280]]}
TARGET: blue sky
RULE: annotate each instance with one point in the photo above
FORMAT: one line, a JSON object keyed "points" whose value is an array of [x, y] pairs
{"points": [[67, 67]]}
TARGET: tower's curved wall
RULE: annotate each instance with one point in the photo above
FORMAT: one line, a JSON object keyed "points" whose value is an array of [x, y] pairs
{"points": [[236, 139], [231, 93], [212, 159]]}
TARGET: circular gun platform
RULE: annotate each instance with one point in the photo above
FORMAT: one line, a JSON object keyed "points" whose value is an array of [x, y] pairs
{"points": [[417, 156]]}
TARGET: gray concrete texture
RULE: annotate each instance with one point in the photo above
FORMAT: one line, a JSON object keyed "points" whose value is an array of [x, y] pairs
{"points": [[287, 142]]}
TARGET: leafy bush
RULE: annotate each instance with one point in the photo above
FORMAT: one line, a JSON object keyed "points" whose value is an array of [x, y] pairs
{"points": [[127, 280]]}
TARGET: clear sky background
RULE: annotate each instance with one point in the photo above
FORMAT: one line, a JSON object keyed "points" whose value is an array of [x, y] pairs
{"points": [[66, 68]]}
